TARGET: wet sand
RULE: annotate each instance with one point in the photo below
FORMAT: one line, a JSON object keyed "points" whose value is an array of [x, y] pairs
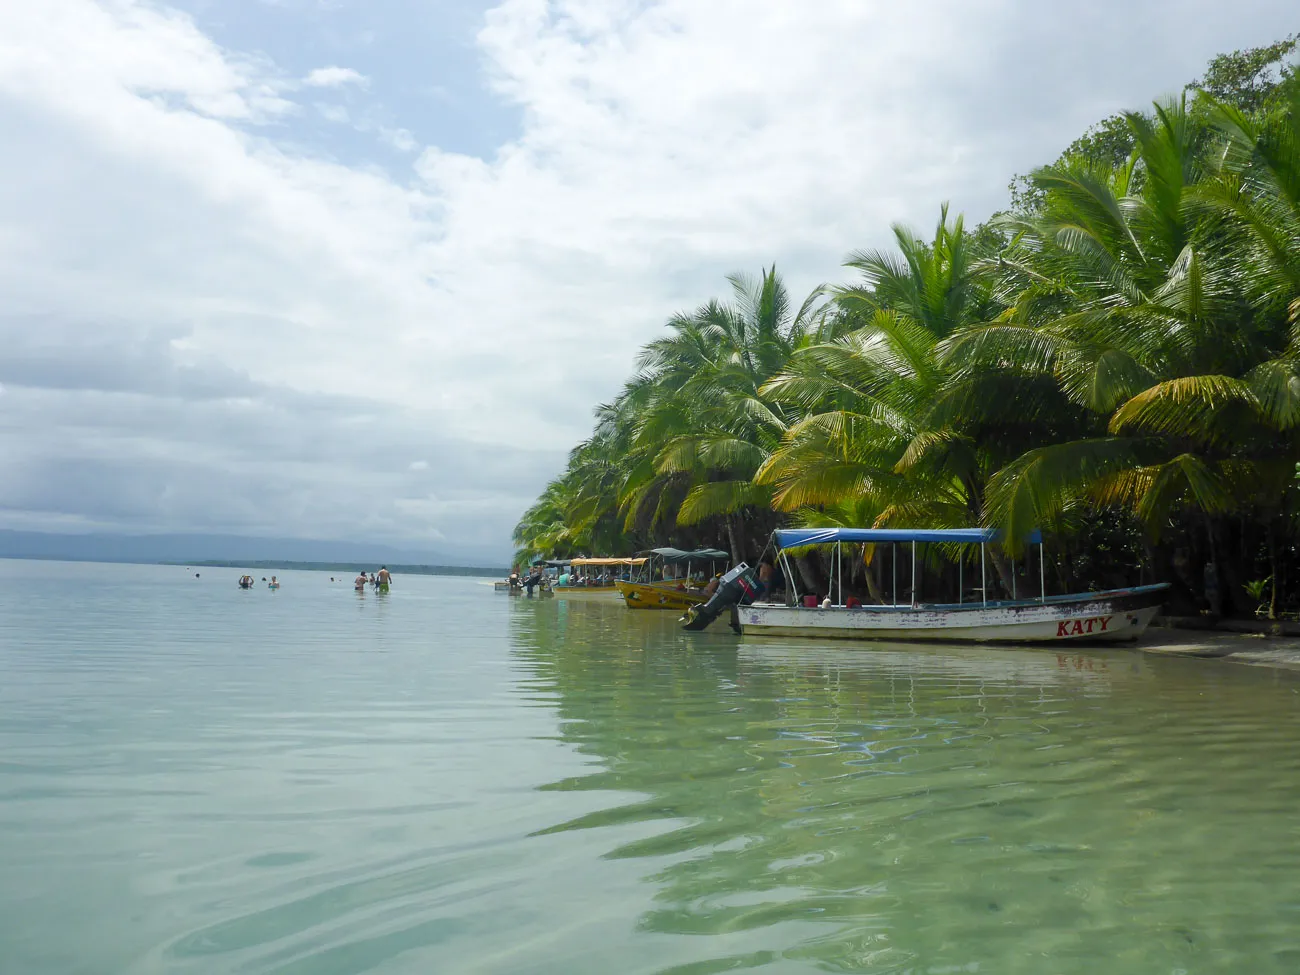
{"points": [[1255, 649]]}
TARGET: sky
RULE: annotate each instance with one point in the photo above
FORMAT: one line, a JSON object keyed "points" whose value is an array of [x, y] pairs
{"points": [[361, 269]]}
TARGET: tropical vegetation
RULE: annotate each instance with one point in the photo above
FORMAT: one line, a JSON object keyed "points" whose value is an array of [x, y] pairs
{"points": [[1114, 359]]}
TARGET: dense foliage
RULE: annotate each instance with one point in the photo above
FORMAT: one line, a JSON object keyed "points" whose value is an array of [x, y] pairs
{"points": [[1115, 359]]}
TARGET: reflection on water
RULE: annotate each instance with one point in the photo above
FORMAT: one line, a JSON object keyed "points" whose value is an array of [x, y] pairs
{"points": [[195, 780], [937, 810]]}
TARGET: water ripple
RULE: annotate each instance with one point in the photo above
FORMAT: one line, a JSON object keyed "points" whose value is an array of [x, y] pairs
{"points": [[196, 780]]}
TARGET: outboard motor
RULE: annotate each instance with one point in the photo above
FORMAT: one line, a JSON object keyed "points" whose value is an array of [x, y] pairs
{"points": [[737, 586]]}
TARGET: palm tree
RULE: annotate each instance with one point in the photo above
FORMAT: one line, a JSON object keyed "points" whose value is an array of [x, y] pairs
{"points": [[703, 425], [1133, 294], [876, 424]]}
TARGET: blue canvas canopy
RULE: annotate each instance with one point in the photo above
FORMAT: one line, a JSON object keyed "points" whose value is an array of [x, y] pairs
{"points": [[792, 537]]}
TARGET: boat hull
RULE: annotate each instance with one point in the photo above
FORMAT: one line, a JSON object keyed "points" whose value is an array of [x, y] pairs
{"points": [[1105, 617], [641, 595]]}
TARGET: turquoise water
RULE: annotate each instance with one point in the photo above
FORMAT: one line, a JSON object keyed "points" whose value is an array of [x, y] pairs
{"points": [[446, 779]]}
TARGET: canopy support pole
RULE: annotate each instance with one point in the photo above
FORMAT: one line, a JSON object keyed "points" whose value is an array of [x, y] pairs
{"points": [[914, 575], [961, 566], [839, 570], [1013, 578], [893, 548], [984, 582]]}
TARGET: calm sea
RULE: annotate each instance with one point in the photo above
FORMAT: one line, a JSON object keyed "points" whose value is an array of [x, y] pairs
{"points": [[195, 779]]}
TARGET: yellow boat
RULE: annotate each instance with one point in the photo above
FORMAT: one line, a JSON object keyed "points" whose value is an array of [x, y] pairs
{"points": [[609, 590], [660, 595]]}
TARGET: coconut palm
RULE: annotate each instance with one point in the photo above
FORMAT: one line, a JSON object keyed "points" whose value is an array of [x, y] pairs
{"points": [[869, 396], [703, 426], [1133, 293]]}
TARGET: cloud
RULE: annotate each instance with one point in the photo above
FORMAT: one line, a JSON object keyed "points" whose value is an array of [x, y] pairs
{"points": [[216, 317], [335, 77], [399, 139]]}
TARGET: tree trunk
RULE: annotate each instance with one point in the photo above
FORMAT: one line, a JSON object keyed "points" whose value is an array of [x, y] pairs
{"points": [[1213, 593], [811, 577], [873, 575], [735, 541], [1272, 569], [1002, 568]]}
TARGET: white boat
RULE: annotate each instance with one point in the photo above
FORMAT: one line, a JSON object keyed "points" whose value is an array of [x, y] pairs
{"points": [[1113, 615], [1117, 614]]}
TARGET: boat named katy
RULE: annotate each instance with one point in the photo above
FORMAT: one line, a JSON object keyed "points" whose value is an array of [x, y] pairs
{"points": [[1112, 615]]}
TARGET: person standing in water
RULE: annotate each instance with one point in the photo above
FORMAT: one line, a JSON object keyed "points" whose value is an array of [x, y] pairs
{"points": [[384, 579], [273, 584], [359, 584]]}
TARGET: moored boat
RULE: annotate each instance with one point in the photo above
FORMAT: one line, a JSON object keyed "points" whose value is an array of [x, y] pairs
{"points": [[602, 583], [1113, 615], [1109, 616], [676, 594], [659, 595]]}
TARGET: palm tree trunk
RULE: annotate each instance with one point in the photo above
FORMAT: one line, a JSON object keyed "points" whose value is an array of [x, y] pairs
{"points": [[735, 539], [872, 574], [1272, 569], [1002, 566], [810, 574]]}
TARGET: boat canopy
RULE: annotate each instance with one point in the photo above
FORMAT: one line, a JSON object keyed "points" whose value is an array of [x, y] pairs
{"points": [[637, 561], [673, 555], [553, 563], [793, 537]]}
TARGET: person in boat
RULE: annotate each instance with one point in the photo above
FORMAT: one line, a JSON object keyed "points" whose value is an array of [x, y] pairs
{"points": [[564, 579], [533, 581], [712, 587], [359, 583], [384, 579], [765, 573]]}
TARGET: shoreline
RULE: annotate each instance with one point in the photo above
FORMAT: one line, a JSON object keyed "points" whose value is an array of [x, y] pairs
{"points": [[1251, 644]]}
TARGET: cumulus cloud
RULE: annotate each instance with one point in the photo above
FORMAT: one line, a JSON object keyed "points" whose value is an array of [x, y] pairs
{"points": [[335, 77], [214, 322]]}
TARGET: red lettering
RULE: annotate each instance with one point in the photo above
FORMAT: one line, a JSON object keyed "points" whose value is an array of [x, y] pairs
{"points": [[1105, 621], [1063, 628], [1077, 629]]}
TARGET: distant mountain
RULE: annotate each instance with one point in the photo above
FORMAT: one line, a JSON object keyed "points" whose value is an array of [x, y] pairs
{"points": [[104, 547]]}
